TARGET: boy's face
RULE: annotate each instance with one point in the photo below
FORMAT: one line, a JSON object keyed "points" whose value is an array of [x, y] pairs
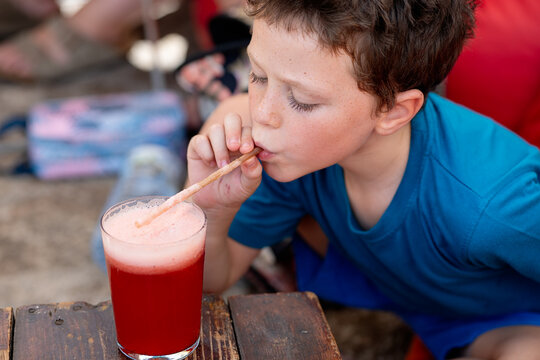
{"points": [[307, 111]]}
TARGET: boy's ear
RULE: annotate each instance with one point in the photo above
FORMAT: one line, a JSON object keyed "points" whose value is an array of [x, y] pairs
{"points": [[407, 105]]}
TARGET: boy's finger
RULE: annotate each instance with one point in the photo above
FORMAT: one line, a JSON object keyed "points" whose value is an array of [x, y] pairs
{"points": [[217, 140], [200, 149], [251, 173], [246, 140], [233, 131]]}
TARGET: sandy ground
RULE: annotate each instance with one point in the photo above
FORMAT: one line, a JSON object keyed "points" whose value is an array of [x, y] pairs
{"points": [[45, 230], [46, 226]]}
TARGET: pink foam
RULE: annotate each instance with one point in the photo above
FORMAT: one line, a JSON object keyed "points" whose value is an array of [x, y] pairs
{"points": [[172, 240]]}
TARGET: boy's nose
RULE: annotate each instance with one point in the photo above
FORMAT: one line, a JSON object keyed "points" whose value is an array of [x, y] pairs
{"points": [[269, 120], [267, 113]]}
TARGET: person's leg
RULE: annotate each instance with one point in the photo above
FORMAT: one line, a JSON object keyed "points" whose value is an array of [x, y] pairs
{"points": [[105, 22], [37, 9], [20, 15], [506, 343], [488, 337]]}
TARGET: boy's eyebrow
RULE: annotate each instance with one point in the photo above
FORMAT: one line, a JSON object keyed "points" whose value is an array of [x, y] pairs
{"points": [[309, 89], [251, 56]]}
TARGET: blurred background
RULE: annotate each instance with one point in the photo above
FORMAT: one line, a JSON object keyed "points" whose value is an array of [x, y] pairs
{"points": [[71, 134], [46, 225]]}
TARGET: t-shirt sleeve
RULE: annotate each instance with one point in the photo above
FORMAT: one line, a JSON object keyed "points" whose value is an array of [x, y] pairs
{"points": [[508, 232], [269, 216]]}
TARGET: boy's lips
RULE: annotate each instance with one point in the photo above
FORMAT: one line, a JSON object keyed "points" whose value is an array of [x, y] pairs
{"points": [[264, 154]]}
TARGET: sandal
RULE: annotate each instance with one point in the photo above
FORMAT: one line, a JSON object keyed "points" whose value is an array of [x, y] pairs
{"points": [[82, 52], [231, 36]]}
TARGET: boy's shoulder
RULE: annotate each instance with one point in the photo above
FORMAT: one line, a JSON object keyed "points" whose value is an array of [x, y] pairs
{"points": [[470, 168], [471, 147]]}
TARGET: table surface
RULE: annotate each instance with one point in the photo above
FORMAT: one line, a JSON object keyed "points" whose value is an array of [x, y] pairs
{"points": [[256, 326]]}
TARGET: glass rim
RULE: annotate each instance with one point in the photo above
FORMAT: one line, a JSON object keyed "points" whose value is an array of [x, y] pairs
{"points": [[148, 198]]}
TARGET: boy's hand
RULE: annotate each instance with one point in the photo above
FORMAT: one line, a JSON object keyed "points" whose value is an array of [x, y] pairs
{"points": [[215, 149]]}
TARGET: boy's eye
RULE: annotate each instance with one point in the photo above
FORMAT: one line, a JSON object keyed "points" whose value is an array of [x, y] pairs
{"points": [[300, 106], [295, 105], [256, 79]]}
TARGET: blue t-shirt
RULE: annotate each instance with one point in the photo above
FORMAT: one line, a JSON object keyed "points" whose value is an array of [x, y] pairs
{"points": [[461, 236]]}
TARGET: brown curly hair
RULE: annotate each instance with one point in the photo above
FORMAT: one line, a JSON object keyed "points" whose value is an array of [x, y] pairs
{"points": [[395, 45]]}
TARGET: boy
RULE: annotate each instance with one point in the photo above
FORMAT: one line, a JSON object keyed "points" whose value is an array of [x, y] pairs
{"points": [[429, 210]]}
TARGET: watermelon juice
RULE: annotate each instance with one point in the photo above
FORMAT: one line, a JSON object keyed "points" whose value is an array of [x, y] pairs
{"points": [[155, 275]]}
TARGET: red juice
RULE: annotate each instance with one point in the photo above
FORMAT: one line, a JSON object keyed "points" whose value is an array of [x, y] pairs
{"points": [[155, 276], [167, 307]]}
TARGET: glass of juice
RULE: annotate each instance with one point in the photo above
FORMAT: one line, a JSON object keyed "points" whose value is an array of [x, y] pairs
{"points": [[155, 277]]}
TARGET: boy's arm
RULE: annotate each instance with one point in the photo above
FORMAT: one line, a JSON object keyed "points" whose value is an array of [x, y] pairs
{"points": [[507, 233], [225, 260], [237, 104]]}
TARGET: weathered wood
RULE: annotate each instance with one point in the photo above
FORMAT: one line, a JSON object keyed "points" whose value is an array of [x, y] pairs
{"points": [[217, 335], [269, 326], [81, 331], [65, 331], [6, 324], [282, 326]]}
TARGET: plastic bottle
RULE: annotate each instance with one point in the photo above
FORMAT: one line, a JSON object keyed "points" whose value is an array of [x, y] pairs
{"points": [[148, 170]]}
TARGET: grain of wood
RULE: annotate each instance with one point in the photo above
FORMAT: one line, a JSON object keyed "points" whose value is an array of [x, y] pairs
{"points": [[72, 330], [282, 326], [217, 337], [80, 331], [6, 324]]}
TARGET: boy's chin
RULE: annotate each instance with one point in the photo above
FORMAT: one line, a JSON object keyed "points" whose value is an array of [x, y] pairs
{"points": [[279, 174]]}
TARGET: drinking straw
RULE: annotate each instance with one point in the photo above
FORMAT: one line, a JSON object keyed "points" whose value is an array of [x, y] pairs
{"points": [[193, 189]]}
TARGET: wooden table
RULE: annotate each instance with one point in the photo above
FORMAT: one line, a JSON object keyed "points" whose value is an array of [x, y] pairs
{"points": [[258, 327]]}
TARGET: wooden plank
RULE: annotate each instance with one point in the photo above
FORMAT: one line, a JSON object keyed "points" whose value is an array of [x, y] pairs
{"points": [[282, 326], [6, 324], [81, 331], [75, 330], [217, 335]]}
